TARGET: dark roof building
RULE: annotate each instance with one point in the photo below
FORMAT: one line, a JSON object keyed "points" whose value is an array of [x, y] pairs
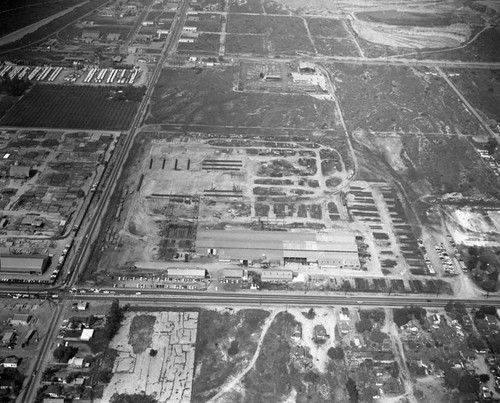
{"points": [[28, 264]]}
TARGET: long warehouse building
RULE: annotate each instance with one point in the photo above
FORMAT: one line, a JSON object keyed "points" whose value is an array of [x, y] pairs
{"points": [[26, 264], [338, 249]]}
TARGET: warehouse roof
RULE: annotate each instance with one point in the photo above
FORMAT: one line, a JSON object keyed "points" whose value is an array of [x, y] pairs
{"points": [[22, 262], [187, 272], [233, 273], [245, 244]]}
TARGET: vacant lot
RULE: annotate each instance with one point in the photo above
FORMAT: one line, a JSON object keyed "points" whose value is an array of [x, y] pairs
{"points": [[481, 88], [207, 97], [389, 99], [207, 43], [287, 35], [72, 107], [225, 344], [157, 359]]}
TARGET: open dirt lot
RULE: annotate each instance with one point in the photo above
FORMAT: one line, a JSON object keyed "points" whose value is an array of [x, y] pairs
{"points": [[168, 375]]}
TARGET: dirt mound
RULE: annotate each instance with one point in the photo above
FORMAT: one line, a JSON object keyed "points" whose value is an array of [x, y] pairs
{"points": [[412, 37]]}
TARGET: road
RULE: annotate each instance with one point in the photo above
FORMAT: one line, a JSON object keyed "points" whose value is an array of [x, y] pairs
{"points": [[265, 298]]}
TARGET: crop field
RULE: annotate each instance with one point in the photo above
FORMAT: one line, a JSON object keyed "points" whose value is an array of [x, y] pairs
{"points": [[287, 35], [14, 17], [208, 99], [55, 24], [207, 43], [389, 99], [75, 107]]}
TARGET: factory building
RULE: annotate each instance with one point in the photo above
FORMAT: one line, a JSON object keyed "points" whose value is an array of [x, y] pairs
{"points": [[336, 250], [26, 264]]}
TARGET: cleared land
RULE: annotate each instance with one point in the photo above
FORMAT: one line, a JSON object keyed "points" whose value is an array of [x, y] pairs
{"points": [[207, 97], [72, 107]]}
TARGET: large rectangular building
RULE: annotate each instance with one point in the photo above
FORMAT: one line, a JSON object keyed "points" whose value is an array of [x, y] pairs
{"points": [[26, 264], [337, 249]]}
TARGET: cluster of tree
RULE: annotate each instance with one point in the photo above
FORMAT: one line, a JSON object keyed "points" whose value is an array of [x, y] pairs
{"points": [[376, 315], [14, 86], [233, 349], [64, 353], [404, 315], [136, 398], [483, 264], [335, 353], [491, 145], [486, 310], [129, 93], [114, 319], [352, 390], [364, 325]]}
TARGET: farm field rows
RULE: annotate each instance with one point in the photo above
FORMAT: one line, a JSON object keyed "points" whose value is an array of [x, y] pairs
{"points": [[73, 107]]}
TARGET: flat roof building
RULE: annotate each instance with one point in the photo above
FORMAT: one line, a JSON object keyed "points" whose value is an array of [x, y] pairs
{"points": [[192, 273], [337, 249], [20, 319], [275, 276], [28, 264]]}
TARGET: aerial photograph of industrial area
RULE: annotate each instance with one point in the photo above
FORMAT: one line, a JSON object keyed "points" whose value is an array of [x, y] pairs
{"points": [[249, 201]]}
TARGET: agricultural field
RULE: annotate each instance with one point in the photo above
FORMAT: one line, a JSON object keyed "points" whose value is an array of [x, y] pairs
{"points": [[75, 107], [15, 15], [51, 27]]}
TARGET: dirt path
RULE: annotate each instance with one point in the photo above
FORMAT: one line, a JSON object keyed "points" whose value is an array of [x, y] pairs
{"points": [[400, 355], [231, 384]]}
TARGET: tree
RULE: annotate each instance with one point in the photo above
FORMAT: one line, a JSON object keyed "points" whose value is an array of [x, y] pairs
{"points": [[484, 378], [153, 352], [352, 390], [233, 349], [450, 377], [364, 325], [468, 384], [378, 336], [64, 353], [105, 376], [114, 319], [335, 353]]}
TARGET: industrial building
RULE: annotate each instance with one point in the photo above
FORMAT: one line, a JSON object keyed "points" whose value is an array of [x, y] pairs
{"points": [[336, 250], [20, 319], [25, 264]]}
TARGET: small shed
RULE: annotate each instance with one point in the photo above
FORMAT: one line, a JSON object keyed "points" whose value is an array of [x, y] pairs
{"points": [[10, 362], [8, 337], [87, 334]]}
